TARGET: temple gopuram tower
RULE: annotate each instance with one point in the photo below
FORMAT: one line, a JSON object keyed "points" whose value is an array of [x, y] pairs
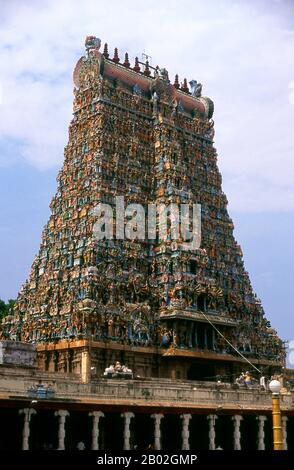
{"points": [[160, 309]]}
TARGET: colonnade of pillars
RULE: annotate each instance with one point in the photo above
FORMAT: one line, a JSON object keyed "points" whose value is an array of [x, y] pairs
{"points": [[62, 415]]}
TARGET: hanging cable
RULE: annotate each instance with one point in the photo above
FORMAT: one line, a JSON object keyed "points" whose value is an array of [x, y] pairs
{"points": [[238, 352]]}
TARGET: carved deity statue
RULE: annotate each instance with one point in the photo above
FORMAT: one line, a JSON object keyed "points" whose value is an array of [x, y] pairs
{"points": [[196, 88]]}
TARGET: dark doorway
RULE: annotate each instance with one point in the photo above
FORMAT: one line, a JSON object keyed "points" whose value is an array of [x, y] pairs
{"points": [[171, 432], [201, 303], [200, 371], [44, 430], [199, 429], [201, 340], [112, 429], [143, 431], [78, 430], [11, 429], [249, 432], [193, 267], [224, 429], [290, 433]]}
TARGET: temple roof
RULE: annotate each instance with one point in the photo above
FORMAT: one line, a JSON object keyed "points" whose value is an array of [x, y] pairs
{"points": [[191, 102]]}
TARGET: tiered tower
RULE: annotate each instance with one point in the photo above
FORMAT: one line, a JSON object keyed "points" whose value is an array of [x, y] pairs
{"points": [[163, 310]]}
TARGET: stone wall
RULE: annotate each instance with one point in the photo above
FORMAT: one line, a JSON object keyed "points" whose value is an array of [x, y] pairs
{"points": [[17, 354]]}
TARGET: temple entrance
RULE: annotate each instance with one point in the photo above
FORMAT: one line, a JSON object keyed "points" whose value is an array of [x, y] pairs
{"points": [[171, 429], [44, 430], [200, 371], [290, 432], [199, 432], [249, 432], [143, 431], [112, 430], [224, 429], [11, 436]]}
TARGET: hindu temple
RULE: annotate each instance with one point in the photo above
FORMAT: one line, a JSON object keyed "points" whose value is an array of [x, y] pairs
{"points": [[182, 321]]}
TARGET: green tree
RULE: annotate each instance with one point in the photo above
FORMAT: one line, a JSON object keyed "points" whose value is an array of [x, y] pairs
{"points": [[6, 308], [2, 308], [10, 305]]}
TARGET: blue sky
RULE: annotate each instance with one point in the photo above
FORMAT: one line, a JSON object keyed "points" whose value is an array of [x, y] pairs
{"points": [[242, 53]]}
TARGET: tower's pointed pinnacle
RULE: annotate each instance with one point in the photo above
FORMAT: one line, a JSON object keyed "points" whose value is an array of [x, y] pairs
{"points": [[136, 66], [184, 87], [176, 84], [105, 52], [126, 62], [115, 57], [147, 70]]}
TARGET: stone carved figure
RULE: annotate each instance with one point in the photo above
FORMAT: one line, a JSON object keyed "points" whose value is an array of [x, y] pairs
{"points": [[92, 42], [196, 88], [137, 90], [155, 103], [163, 74]]}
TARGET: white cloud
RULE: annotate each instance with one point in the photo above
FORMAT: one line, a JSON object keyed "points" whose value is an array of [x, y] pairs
{"points": [[291, 92], [243, 53]]}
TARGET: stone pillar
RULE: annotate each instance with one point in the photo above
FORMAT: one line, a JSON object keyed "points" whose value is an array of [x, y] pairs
{"points": [[189, 334], [96, 415], [284, 432], [237, 434], [62, 415], [205, 337], [157, 431], [176, 333], [205, 304], [41, 360], [66, 359], [27, 414], [261, 420], [85, 366], [185, 431], [211, 433], [127, 434], [196, 336], [213, 340], [51, 363]]}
